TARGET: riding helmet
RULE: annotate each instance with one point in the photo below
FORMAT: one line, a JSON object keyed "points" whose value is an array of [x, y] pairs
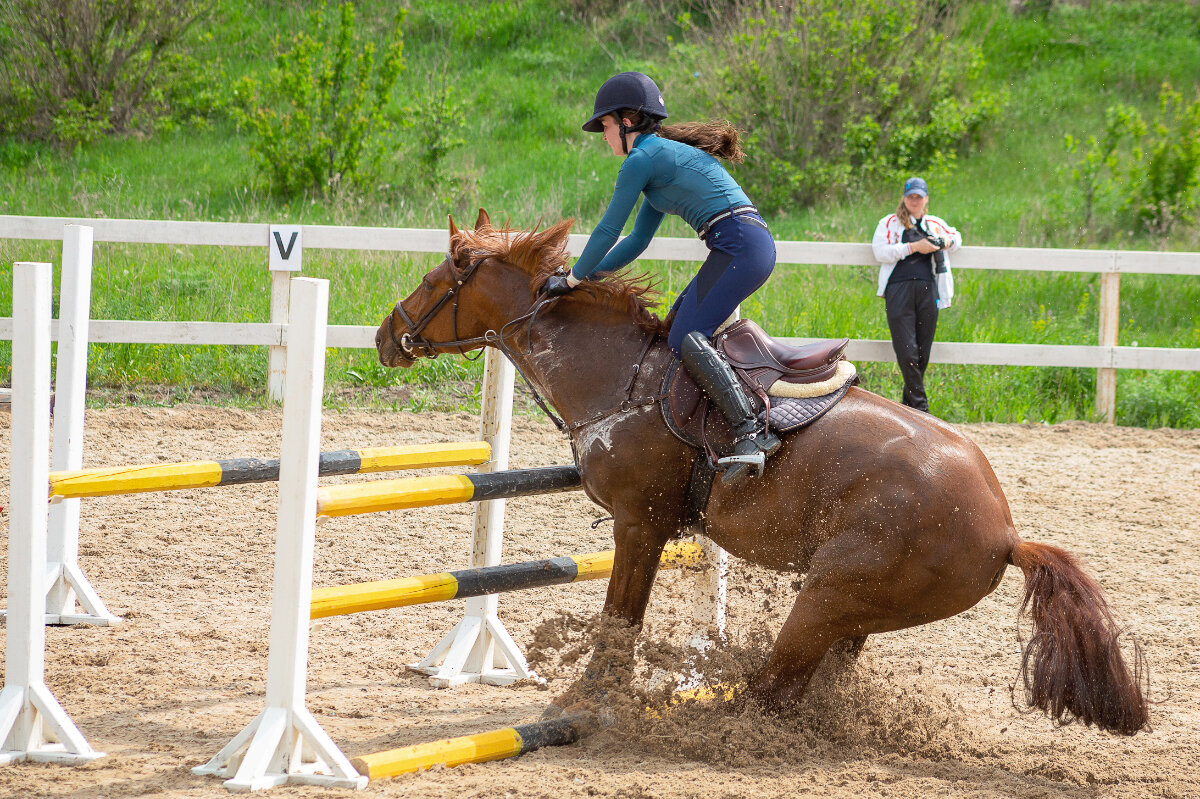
{"points": [[627, 90]]}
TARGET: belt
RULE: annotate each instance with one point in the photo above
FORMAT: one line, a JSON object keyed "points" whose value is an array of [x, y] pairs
{"points": [[740, 210]]}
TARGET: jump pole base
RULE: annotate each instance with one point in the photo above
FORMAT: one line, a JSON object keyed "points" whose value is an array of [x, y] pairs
{"points": [[282, 746], [479, 649], [67, 586], [34, 727]]}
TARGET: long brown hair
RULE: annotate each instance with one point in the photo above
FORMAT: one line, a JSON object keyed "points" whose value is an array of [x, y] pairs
{"points": [[903, 215], [716, 137]]}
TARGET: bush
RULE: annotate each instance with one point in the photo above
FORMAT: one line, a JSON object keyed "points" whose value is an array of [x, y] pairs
{"points": [[1164, 168], [1158, 399], [74, 71], [435, 126], [318, 122], [1139, 173], [837, 95]]}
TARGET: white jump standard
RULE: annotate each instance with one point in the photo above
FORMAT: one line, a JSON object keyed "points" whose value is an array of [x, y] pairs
{"points": [[33, 726], [284, 743]]}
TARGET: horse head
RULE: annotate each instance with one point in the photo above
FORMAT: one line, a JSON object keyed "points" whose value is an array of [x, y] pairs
{"points": [[473, 291]]}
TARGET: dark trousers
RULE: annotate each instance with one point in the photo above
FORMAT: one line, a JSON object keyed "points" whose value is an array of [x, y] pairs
{"points": [[912, 318], [741, 257]]}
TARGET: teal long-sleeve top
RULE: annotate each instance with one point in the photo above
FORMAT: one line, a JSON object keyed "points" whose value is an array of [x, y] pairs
{"points": [[676, 179]]}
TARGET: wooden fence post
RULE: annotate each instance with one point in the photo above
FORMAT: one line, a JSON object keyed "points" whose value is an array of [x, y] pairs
{"points": [[286, 255], [1110, 320]]}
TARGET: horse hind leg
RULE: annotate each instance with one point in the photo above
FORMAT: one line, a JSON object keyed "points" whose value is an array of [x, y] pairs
{"points": [[822, 618]]}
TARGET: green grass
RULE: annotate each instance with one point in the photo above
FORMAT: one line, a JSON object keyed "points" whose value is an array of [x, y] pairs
{"points": [[526, 73]]}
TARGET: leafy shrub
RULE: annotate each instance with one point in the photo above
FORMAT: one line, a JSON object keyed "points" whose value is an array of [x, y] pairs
{"points": [[837, 95], [318, 122], [435, 126], [74, 71], [1139, 172], [1164, 168], [1158, 399]]}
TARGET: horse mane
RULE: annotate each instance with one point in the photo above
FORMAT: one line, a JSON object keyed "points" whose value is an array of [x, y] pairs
{"points": [[542, 253]]}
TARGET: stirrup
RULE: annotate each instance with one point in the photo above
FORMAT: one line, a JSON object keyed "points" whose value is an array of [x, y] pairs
{"points": [[737, 467], [734, 469], [756, 459]]}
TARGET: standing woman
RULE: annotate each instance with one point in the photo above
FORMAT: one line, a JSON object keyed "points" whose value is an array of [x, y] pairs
{"points": [[915, 282], [676, 169]]}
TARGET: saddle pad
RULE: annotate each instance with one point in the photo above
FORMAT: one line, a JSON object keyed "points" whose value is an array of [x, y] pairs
{"points": [[792, 413], [844, 374], [682, 414]]}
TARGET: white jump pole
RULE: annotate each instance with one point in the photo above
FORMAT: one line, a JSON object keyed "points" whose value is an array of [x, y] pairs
{"points": [[479, 648], [708, 610], [65, 581], [33, 726], [284, 743]]}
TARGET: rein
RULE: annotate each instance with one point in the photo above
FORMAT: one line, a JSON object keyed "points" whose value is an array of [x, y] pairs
{"points": [[414, 346]]}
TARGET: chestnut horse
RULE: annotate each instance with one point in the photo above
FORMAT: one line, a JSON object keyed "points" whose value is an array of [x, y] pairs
{"points": [[895, 518]]}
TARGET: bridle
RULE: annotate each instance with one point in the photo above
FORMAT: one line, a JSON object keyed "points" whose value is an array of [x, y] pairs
{"points": [[414, 345]]}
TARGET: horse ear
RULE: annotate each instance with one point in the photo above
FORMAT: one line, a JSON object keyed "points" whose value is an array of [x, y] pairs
{"points": [[483, 220], [453, 227]]}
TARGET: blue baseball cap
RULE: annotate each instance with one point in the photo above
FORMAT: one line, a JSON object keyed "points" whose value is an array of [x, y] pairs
{"points": [[916, 186]]}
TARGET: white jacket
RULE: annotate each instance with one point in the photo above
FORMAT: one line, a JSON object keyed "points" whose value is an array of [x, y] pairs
{"points": [[889, 250]]}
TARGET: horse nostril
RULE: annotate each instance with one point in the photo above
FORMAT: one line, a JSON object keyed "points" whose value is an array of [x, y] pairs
{"points": [[378, 338]]}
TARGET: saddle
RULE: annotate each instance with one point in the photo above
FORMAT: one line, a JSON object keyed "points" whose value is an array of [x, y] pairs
{"points": [[790, 387]]}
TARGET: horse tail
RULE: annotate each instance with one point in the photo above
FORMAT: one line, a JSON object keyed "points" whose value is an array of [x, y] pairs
{"points": [[1072, 667]]}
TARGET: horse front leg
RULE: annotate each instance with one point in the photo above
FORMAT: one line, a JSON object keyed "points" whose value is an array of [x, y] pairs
{"points": [[639, 547]]}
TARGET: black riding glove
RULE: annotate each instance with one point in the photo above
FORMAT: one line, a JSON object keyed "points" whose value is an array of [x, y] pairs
{"points": [[556, 285]]}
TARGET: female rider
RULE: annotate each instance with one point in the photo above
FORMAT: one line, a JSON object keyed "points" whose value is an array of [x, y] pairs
{"points": [[675, 168]]}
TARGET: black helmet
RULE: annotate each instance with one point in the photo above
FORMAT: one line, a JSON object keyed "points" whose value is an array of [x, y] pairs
{"points": [[627, 90]]}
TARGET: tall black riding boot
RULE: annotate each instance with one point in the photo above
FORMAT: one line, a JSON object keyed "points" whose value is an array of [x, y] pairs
{"points": [[716, 378]]}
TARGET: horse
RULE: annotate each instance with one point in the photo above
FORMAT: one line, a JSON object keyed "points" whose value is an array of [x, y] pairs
{"points": [[894, 518]]}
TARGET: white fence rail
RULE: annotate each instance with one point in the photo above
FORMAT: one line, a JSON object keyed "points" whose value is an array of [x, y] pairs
{"points": [[1106, 356]]}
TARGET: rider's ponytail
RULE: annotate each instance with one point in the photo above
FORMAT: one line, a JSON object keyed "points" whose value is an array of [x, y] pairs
{"points": [[715, 137]]}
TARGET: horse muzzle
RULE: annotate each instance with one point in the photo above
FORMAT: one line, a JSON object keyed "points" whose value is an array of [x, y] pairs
{"points": [[393, 354]]}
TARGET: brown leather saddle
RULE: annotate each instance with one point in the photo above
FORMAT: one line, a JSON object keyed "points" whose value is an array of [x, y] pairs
{"points": [[760, 361]]}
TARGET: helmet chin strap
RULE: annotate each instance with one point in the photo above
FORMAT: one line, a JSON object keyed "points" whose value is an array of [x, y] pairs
{"points": [[646, 125]]}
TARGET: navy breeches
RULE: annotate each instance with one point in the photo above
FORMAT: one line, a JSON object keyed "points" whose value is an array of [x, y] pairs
{"points": [[741, 258]]}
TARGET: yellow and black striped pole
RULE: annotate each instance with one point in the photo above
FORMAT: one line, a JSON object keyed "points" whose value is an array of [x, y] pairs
{"points": [[340, 600], [234, 471], [478, 748], [419, 492]]}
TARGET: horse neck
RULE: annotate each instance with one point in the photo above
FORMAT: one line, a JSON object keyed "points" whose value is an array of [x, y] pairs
{"points": [[583, 362]]}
